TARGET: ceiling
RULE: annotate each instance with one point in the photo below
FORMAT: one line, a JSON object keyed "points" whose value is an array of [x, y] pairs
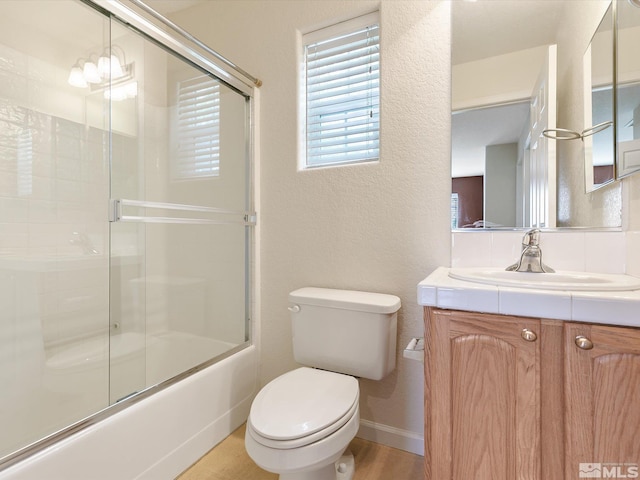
{"points": [[485, 28], [167, 7]]}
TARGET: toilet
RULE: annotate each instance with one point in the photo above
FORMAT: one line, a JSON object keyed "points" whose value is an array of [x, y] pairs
{"points": [[301, 423]]}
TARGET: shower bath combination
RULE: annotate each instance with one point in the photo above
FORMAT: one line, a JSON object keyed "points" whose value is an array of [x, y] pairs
{"points": [[126, 209]]}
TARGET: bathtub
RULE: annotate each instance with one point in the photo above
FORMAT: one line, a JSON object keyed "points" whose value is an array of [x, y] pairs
{"points": [[126, 362], [157, 437]]}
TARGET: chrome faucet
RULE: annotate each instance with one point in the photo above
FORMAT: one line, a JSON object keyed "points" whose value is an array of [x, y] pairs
{"points": [[531, 256], [84, 242]]}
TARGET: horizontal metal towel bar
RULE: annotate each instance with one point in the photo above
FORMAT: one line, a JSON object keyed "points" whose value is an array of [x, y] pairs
{"points": [[230, 216]]}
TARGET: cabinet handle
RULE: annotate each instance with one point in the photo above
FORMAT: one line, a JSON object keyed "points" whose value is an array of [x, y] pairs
{"points": [[528, 335], [583, 343]]}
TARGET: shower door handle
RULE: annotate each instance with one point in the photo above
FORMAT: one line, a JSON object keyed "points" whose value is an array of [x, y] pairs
{"points": [[223, 216]]}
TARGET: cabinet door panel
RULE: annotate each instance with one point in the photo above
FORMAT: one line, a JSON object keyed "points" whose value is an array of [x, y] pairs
{"points": [[482, 417], [602, 395], [483, 396]]}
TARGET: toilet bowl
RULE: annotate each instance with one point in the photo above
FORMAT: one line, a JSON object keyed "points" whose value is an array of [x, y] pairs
{"points": [[301, 423]]}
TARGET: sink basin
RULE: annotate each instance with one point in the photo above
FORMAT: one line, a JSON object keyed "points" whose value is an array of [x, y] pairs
{"points": [[578, 281]]}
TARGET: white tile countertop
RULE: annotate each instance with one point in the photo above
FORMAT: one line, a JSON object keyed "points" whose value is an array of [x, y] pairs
{"points": [[607, 307]]}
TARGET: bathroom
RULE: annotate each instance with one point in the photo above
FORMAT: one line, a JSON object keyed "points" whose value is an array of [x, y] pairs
{"points": [[379, 227]]}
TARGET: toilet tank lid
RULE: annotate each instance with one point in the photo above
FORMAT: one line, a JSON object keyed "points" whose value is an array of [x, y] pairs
{"points": [[346, 299]]}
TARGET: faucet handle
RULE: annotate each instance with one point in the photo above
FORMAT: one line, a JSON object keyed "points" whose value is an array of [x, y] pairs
{"points": [[531, 238]]}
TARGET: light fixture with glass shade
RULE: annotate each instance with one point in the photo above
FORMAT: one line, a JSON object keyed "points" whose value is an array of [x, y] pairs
{"points": [[109, 67], [109, 72], [90, 72], [76, 76]]}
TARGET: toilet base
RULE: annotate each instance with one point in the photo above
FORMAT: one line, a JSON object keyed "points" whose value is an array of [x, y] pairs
{"points": [[345, 466], [343, 469]]}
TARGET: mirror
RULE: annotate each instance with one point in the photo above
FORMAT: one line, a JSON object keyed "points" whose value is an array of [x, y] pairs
{"points": [[598, 138], [628, 87], [502, 52]]}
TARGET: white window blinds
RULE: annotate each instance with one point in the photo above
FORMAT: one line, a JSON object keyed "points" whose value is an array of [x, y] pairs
{"points": [[198, 128], [343, 94]]}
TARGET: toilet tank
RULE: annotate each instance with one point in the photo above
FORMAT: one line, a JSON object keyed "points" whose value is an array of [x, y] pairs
{"points": [[345, 331]]}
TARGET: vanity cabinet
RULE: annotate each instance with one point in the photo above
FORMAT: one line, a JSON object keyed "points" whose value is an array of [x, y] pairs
{"points": [[602, 390], [513, 398]]}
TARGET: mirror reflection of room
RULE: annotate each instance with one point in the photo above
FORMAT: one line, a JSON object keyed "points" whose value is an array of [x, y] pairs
{"points": [[599, 142], [500, 162], [529, 55], [486, 168]]}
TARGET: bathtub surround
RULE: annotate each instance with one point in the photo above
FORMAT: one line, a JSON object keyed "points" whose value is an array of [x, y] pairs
{"points": [[375, 227], [101, 299]]}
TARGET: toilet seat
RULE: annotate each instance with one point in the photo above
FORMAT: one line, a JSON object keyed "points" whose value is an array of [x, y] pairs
{"points": [[301, 407]]}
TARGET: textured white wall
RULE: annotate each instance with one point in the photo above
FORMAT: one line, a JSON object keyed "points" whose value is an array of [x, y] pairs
{"points": [[380, 227]]}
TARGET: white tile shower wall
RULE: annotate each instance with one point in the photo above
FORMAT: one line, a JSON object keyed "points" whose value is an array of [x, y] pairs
{"points": [[633, 253], [53, 200], [601, 252]]}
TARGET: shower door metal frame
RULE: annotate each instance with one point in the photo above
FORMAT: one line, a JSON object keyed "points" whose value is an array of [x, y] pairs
{"points": [[190, 47]]}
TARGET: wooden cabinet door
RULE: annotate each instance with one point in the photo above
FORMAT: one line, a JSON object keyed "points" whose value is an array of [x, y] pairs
{"points": [[482, 391], [602, 400]]}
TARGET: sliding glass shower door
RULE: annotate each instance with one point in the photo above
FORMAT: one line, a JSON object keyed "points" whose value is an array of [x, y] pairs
{"points": [[54, 185], [179, 199], [125, 213]]}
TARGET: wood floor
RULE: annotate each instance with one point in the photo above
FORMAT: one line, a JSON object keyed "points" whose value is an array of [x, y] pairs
{"points": [[229, 461]]}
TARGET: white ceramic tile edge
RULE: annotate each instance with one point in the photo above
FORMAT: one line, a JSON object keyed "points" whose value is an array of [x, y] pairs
{"points": [[535, 303], [612, 308]]}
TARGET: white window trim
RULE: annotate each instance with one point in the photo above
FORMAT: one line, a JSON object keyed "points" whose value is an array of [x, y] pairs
{"points": [[345, 27]]}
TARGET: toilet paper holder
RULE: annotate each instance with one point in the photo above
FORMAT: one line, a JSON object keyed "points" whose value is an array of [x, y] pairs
{"points": [[415, 349]]}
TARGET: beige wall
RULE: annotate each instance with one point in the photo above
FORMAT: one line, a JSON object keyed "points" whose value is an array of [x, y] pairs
{"points": [[379, 227]]}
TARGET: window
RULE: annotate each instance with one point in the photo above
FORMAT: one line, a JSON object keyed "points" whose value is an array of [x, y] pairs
{"points": [[342, 92], [454, 210], [198, 128]]}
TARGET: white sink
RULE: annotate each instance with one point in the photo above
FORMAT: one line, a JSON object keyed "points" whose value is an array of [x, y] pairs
{"points": [[577, 281]]}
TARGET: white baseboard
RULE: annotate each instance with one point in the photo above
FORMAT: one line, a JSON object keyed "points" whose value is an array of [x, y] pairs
{"points": [[392, 437]]}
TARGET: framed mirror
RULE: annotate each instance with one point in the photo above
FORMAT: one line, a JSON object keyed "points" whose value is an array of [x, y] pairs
{"points": [[598, 133], [628, 87]]}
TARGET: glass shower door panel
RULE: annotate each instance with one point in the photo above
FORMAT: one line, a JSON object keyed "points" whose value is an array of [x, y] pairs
{"points": [[54, 243], [179, 193], [195, 300]]}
